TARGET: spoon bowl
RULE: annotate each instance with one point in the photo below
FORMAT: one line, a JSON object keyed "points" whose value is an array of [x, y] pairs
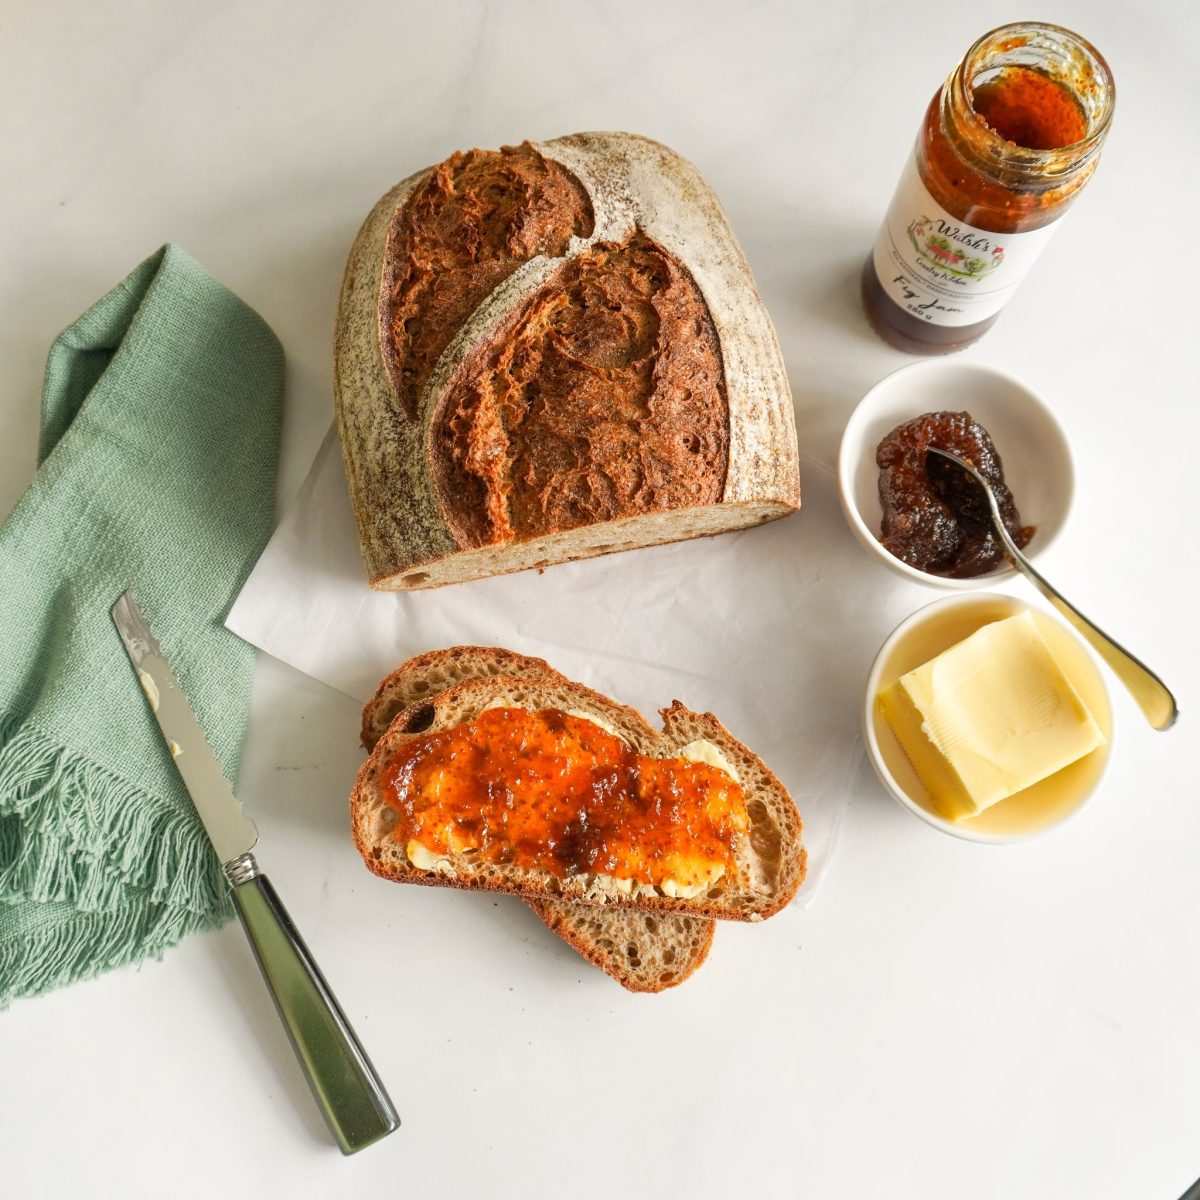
{"points": [[1149, 692]]}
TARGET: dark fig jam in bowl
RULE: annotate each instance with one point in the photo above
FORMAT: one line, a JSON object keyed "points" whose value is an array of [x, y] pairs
{"points": [[981, 413]]}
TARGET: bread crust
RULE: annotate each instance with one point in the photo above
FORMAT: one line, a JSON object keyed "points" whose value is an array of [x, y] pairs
{"points": [[426, 675], [633, 182], [770, 872]]}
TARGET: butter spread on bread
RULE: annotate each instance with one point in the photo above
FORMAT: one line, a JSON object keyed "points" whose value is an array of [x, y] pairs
{"points": [[578, 712], [549, 352]]}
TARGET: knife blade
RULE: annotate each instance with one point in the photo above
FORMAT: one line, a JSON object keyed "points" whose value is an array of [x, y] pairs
{"points": [[231, 832], [347, 1088]]}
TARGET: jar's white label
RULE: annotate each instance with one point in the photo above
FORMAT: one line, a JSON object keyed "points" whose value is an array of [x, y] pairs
{"points": [[941, 269]]}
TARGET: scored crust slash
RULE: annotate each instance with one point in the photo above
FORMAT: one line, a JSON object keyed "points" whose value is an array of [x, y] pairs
{"points": [[492, 771], [549, 352]]}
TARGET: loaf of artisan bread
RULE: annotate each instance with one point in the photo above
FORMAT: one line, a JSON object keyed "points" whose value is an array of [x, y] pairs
{"points": [[644, 952], [743, 808], [549, 352]]}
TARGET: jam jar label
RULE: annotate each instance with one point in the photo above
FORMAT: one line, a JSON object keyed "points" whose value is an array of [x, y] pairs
{"points": [[941, 269]]}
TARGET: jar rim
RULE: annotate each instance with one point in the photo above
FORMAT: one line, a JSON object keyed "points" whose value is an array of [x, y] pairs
{"points": [[1096, 68]]}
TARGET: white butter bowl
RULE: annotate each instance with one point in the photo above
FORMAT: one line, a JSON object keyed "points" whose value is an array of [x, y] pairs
{"points": [[937, 627], [1032, 445]]}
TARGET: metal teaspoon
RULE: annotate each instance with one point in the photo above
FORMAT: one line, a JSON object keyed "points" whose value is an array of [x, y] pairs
{"points": [[1149, 692]]}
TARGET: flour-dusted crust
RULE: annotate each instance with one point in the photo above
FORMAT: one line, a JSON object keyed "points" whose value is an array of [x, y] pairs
{"points": [[770, 865], [633, 183]]}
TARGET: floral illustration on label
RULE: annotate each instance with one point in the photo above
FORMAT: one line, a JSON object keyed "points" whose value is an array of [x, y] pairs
{"points": [[962, 253]]}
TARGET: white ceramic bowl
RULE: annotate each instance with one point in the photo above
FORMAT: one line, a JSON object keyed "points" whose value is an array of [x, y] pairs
{"points": [[1029, 439], [937, 627]]}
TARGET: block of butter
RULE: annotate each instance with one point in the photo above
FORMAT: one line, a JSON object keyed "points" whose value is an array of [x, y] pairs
{"points": [[989, 717]]}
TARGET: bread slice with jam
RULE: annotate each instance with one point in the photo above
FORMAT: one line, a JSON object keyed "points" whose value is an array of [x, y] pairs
{"points": [[643, 952], [548, 790]]}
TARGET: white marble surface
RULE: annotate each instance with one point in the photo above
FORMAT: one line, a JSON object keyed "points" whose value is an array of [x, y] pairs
{"points": [[946, 1020]]}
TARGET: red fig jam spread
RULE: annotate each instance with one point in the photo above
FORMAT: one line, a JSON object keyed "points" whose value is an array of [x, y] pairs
{"points": [[552, 791], [935, 517]]}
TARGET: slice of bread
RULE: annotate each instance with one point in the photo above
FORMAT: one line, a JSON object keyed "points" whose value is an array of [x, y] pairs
{"points": [[768, 863], [643, 952]]}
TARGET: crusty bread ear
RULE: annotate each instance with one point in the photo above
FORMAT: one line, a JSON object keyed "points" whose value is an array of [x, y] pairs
{"points": [[769, 865], [641, 951]]}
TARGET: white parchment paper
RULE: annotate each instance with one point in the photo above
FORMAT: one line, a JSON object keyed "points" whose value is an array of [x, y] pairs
{"points": [[765, 628]]}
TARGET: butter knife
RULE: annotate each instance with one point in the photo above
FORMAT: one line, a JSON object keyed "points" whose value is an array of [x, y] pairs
{"points": [[349, 1093]]}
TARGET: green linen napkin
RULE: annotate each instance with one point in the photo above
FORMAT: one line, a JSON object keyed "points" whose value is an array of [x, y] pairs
{"points": [[160, 434]]}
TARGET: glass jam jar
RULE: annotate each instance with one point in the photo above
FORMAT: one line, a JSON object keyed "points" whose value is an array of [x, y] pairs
{"points": [[1007, 144]]}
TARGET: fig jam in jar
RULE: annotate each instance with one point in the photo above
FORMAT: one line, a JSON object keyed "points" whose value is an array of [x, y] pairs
{"points": [[1007, 144]]}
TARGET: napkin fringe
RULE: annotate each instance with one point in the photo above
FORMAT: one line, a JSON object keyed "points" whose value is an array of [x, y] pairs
{"points": [[61, 816], [88, 944]]}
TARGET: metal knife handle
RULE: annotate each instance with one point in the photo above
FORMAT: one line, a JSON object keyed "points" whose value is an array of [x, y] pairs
{"points": [[351, 1096]]}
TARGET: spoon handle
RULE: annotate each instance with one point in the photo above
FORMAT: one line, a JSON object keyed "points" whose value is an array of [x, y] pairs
{"points": [[1149, 692]]}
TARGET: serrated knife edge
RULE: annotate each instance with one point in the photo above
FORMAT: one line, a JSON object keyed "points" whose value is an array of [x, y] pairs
{"points": [[231, 832]]}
